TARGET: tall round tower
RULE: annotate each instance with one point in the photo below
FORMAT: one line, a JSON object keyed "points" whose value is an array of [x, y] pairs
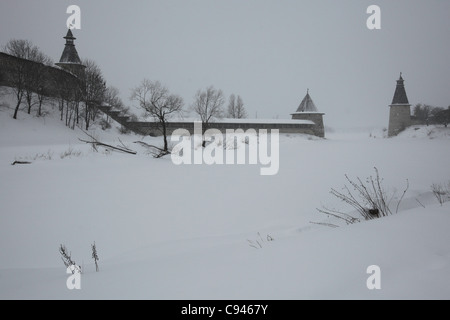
{"points": [[400, 113], [70, 61], [307, 110]]}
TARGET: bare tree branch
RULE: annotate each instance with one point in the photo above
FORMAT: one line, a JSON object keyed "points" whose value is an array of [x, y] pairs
{"points": [[20, 162]]}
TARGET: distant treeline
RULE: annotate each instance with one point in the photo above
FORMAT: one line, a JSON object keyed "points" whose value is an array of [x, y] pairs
{"points": [[426, 114]]}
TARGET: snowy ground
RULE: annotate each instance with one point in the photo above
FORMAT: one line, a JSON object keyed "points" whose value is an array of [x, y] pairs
{"points": [[185, 232]]}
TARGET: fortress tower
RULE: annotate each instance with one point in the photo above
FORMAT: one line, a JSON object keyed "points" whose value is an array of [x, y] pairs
{"points": [[70, 61], [307, 110], [400, 113]]}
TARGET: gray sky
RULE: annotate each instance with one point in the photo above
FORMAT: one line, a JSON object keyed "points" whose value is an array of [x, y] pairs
{"points": [[269, 52]]}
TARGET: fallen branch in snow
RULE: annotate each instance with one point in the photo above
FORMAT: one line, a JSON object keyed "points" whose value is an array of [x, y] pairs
{"points": [[325, 224], [20, 162], [420, 203], [95, 143], [340, 215], [149, 145], [123, 145], [161, 152]]}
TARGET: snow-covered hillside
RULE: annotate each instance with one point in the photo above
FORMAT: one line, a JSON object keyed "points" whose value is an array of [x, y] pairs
{"points": [[188, 232]]}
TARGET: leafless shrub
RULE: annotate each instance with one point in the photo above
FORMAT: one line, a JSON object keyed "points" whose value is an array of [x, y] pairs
{"points": [[43, 156], [70, 153], [95, 256], [67, 259], [369, 198], [37, 156], [441, 193], [257, 244]]}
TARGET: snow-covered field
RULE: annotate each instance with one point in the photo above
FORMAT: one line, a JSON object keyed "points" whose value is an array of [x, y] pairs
{"points": [[187, 232]]}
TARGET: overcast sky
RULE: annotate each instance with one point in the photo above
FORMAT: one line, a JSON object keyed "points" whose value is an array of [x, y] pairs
{"points": [[269, 52]]}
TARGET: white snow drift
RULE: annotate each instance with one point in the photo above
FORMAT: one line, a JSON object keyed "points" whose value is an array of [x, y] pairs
{"points": [[164, 231]]}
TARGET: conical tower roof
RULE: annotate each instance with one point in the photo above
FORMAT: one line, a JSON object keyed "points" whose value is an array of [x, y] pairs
{"points": [[69, 35], [307, 104], [400, 93], [70, 54]]}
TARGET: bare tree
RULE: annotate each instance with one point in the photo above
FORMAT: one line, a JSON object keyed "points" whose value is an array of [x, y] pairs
{"points": [[441, 116], [208, 104], [427, 114], [112, 98], [20, 72], [94, 91], [28, 78], [35, 80], [20, 49], [3, 92], [236, 108], [40, 99], [38, 82], [159, 103], [70, 94], [66, 93], [422, 112], [231, 112]]}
